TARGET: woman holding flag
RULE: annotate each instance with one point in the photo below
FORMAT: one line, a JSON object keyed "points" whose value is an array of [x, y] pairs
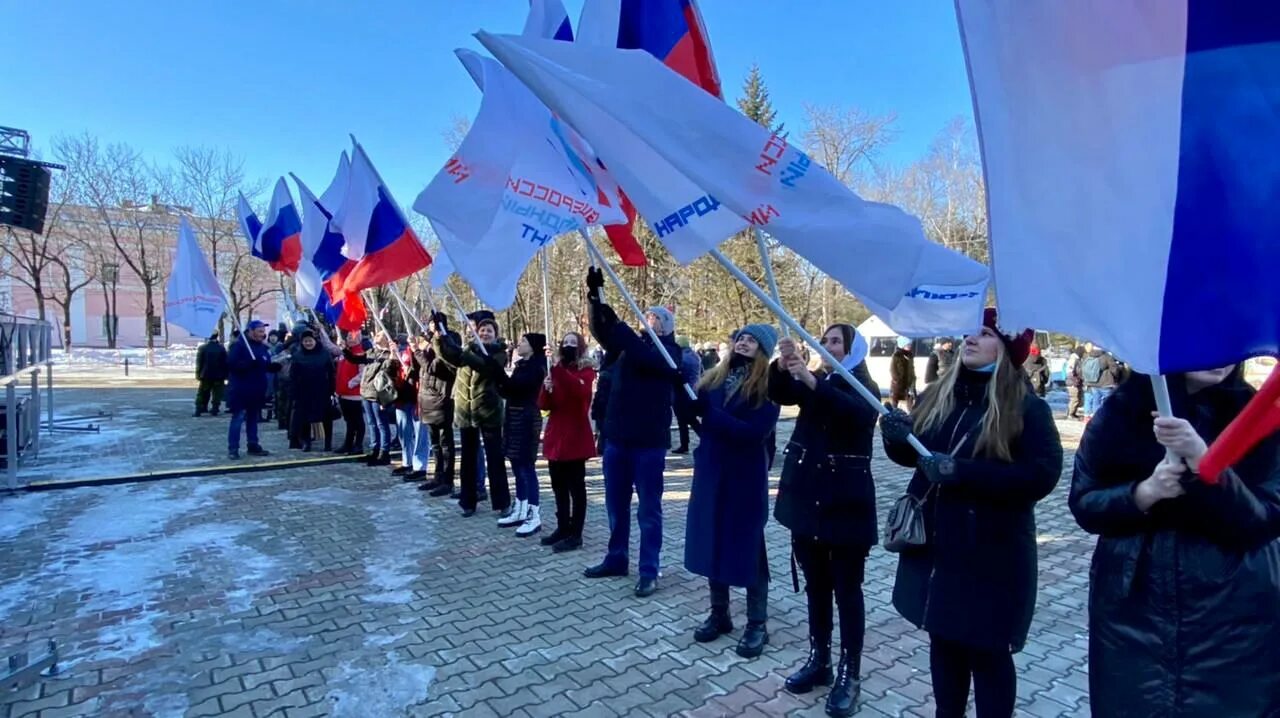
{"points": [[377, 360], [729, 500], [972, 584], [521, 429], [1179, 561], [568, 442]]}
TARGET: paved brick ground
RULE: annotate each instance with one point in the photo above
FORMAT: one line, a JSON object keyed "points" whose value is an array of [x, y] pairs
{"points": [[339, 591]]}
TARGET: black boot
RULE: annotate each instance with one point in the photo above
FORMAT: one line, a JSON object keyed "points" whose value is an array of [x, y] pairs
{"points": [[844, 694], [384, 459], [445, 489], [716, 625], [754, 638], [554, 537], [816, 671], [371, 459]]}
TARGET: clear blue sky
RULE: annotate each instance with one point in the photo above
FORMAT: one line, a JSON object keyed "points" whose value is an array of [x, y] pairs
{"points": [[282, 83]]}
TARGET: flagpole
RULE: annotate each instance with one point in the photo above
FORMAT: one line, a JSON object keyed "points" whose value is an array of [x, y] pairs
{"points": [[591, 257], [462, 316], [768, 274], [617, 282], [376, 319], [1164, 407], [546, 302], [235, 320], [809, 339], [404, 311], [426, 289]]}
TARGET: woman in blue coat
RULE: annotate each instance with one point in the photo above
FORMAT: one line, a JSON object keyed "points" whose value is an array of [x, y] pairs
{"points": [[729, 503]]}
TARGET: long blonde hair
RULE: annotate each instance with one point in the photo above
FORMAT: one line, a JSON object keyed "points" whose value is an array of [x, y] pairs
{"points": [[754, 388], [1002, 423]]}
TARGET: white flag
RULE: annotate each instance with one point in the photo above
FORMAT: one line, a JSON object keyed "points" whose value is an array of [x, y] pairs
{"points": [[638, 113], [515, 183], [193, 299]]}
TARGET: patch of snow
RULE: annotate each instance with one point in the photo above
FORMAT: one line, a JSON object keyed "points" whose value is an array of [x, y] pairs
{"points": [[328, 495], [23, 512], [358, 689]]}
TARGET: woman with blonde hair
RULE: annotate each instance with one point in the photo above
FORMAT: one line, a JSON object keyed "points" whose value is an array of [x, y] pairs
{"points": [[972, 583], [729, 501]]}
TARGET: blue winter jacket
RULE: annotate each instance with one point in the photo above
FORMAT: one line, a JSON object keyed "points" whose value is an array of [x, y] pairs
{"points": [[248, 387], [638, 410]]}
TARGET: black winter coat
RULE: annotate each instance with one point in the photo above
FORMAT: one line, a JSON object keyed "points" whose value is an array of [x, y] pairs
{"points": [[902, 374], [522, 425], [826, 491], [435, 386], [638, 413], [311, 376], [1037, 370], [975, 581], [211, 361], [604, 384], [1184, 600]]}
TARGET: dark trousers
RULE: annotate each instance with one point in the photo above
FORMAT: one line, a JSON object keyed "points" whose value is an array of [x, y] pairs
{"points": [[499, 490], [640, 470], [300, 430], [757, 595], [569, 484], [683, 427], [1075, 401], [353, 417], [951, 665], [831, 570], [209, 391], [442, 445]]}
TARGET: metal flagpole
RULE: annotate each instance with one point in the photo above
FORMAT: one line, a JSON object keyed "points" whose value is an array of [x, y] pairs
{"points": [[809, 339], [405, 313], [1164, 407], [768, 273], [546, 303], [376, 319], [431, 300], [462, 317], [617, 282]]}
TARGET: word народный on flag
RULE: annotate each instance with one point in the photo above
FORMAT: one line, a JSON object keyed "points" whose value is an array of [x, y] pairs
{"points": [[193, 299], [1132, 156], [877, 251]]}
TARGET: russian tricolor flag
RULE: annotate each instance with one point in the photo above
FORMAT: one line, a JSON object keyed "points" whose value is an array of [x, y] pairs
{"points": [[670, 30], [547, 18], [279, 242], [1132, 156], [250, 225], [376, 235]]}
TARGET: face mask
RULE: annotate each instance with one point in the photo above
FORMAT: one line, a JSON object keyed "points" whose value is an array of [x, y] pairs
{"points": [[988, 369], [568, 355]]}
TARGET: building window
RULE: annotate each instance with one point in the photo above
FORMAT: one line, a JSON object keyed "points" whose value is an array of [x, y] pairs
{"points": [[157, 328], [111, 273]]}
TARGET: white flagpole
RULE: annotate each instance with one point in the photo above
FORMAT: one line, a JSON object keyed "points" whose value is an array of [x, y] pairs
{"points": [[405, 312], [1164, 407], [546, 303], [809, 339], [617, 282], [462, 317], [376, 319], [235, 320], [431, 300], [768, 273]]}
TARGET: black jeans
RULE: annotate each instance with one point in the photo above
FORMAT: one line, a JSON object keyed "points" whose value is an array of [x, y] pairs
{"points": [[683, 427], [832, 570], [951, 665], [569, 484], [499, 489], [300, 430], [442, 445], [209, 391], [353, 416], [757, 595]]}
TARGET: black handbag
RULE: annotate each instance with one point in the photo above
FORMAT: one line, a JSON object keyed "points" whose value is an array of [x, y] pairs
{"points": [[904, 526], [335, 409]]}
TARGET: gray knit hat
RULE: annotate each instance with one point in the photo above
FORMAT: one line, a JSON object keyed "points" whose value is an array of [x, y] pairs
{"points": [[666, 320], [765, 335]]}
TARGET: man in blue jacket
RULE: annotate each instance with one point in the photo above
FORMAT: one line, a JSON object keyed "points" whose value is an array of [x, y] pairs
{"points": [[249, 361], [637, 430]]}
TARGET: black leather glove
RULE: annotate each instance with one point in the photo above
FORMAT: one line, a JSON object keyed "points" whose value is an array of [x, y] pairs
{"points": [[895, 426], [938, 468], [595, 280]]}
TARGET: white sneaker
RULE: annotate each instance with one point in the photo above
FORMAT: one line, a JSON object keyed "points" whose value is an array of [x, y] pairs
{"points": [[532, 524], [518, 514]]}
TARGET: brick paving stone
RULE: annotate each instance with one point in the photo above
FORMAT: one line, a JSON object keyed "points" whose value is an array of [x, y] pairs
{"points": [[275, 591]]}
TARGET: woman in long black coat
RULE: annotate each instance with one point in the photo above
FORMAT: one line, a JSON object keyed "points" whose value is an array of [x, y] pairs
{"points": [[972, 586], [827, 499], [522, 428], [1184, 591], [311, 373]]}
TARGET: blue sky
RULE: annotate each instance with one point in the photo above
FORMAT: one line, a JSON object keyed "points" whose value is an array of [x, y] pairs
{"points": [[282, 83]]}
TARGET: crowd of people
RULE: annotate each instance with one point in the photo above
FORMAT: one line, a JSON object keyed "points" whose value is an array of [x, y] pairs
{"points": [[1184, 605]]}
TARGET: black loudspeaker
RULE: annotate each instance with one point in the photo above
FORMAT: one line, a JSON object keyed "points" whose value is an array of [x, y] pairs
{"points": [[24, 193]]}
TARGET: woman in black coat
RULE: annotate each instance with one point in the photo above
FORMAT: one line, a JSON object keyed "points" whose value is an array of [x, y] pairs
{"points": [[972, 585], [311, 376], [521, 429], [1184, 591], [828, 500]]}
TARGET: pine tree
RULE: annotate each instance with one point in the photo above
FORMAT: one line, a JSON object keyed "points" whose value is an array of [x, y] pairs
{"points": [[755, 102]]}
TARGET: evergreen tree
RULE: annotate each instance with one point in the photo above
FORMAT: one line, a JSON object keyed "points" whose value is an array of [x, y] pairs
{"points": [[755, 102]]}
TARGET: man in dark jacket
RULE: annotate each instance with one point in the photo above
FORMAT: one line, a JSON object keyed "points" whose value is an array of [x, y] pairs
{"points": [[211, 372], [249, 363], [691, 369], [1037, 369], [637, 429], [1100, 373], [435, 405], [940, 360]]}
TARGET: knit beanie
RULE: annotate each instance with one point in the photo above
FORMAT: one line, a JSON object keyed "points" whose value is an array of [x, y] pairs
{"points": [[537, 341], [1017, 347], [666, 320], [765, 335]]}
